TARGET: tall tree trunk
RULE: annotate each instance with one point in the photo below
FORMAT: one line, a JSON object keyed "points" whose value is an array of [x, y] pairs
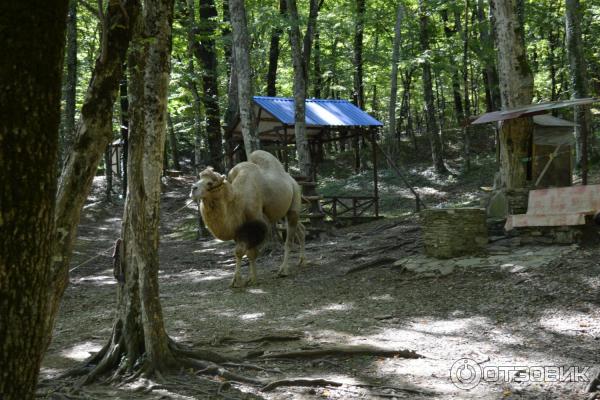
{"points": [[191, 82], [456, 95], [318, 73], [359, 28], [465, 73], [491, 72], [274, 53], [150, 63], [68, 128], [553, 45], [94, 132], [516, 89], [578, 75], [109, 172], [227, 39], [173, 144], [30, 98], [434, 133], [394, 75], [232, 113], [124, 106], [205, 52], [300, 61], [241, 48]]}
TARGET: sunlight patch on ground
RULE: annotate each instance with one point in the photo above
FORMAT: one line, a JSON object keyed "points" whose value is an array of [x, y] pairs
{"points": [[256, 291], [47, 373], [194, 276], [451, 326], [207, 250], [99, 280], [383, 297], [252, 316], [571, 323], [327, 308], [81, 351]]}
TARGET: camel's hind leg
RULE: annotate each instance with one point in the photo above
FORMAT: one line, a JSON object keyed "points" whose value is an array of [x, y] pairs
{"points": [[240, 250], [295, 230], [300, 236], [252, 255]]}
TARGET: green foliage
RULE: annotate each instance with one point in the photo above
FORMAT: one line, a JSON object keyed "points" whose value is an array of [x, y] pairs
{"points": [[544, 29]]}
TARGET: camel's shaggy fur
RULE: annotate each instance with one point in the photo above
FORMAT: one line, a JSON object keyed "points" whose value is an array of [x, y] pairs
{"points": [[256, 193]]}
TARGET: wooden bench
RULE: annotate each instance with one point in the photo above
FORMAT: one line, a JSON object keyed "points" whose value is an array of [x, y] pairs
{"points": [[564, 206]]}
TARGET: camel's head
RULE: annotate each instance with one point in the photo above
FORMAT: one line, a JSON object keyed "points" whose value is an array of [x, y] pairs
{"points": [[210, 182]]}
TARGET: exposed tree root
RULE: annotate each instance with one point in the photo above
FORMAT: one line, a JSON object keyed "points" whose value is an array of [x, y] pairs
{"points": [[250, 366], [407, 389], [344, 351], [371, 264], [298, 382], [594, 384], [277, 337]]}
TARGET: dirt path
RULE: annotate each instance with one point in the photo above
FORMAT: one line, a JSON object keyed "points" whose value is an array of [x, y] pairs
{"points": [[540, 316]]}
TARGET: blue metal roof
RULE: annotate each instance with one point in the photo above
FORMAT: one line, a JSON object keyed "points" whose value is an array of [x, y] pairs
{"points": [[319, 112]]}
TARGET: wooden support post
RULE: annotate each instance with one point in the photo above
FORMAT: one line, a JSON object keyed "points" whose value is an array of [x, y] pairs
{"points": [[285, 152], [334, 207], [373, 137]]}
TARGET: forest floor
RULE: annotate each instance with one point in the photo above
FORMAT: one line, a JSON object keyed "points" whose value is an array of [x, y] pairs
{"points": [[520, 307]]}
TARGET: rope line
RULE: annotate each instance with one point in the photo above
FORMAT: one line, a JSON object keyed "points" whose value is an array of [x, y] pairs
{"points": [[91, 259], [103, 252]]}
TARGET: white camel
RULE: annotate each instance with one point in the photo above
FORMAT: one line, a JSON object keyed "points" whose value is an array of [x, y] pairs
{"points": [[256, 194]]}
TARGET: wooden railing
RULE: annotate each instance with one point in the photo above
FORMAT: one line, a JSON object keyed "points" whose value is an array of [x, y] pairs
{"points": [[349, 206]]}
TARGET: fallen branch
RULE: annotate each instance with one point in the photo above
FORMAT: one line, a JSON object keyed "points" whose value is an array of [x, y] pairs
{"points": [[299, 382], [371, 264], [407, 389], [280, 337], [344, 351]]}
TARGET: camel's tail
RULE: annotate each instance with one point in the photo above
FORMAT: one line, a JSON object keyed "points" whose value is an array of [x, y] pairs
{"points": [[252, 233]]}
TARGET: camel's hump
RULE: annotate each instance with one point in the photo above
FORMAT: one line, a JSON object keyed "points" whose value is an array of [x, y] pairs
{"points": [[265, 160]]}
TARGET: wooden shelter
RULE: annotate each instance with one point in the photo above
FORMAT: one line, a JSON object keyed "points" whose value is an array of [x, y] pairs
{"points": [[552, 152], [326, 121], [550, 160]]}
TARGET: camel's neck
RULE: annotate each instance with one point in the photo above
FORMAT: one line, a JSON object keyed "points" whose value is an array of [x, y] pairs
{"points": [[219, 212]]}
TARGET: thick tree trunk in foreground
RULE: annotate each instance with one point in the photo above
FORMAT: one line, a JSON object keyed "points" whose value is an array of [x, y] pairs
{"points": [[29, 120], [432, 123], [149, 89], [139, 339], [241, 48], [578, 75], [94, 133], [394, 76], [516, 89]]}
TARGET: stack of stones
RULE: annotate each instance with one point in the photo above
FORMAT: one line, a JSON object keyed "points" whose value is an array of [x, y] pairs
{"points": [[454, 232]]}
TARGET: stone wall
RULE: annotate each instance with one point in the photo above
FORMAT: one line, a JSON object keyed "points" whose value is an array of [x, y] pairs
{"points": [[453, 232]]}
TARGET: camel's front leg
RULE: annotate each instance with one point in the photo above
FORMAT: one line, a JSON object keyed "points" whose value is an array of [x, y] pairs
{"points": [[237, 276]]}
